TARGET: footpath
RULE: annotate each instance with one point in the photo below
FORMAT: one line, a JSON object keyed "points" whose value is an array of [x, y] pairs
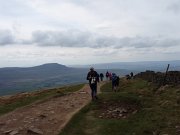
{"points": [[45, 118]]}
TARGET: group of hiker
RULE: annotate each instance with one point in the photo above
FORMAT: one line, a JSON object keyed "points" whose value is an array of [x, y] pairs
{"points": [[131, 76], [114, 78], [93, 78]]}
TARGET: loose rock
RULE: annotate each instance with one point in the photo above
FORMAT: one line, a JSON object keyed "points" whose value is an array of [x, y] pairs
{"points": [[2, 123], [35, 131], [8, 131], [15, 132], [42, 116]]}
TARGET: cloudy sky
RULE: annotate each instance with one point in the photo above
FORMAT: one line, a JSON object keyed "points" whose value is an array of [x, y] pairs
{"points": [[34, 32]]}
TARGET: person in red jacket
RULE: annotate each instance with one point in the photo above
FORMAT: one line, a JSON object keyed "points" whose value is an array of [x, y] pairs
{"points": [[93, 78]]}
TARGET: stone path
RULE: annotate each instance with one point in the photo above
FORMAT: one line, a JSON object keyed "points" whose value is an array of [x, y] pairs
{"points": [[46, 118]]}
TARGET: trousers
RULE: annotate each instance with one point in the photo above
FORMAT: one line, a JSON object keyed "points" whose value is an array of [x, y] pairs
{"points": [[93, 90]]}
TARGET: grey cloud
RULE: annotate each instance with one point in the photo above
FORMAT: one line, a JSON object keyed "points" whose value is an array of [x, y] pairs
{"points": [[147, 42], [174, 7], [6, 37], [141, 42], [168, 42], [75, 38], [136, 42], [64, 39]]}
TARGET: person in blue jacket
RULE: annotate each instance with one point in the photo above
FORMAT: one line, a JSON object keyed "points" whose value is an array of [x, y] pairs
{"points": [[114, 82]]}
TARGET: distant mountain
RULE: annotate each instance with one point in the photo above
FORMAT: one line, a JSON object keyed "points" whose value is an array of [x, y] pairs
{"points": [[48, 66], [138, 66], [38, 72], [16, 79]]}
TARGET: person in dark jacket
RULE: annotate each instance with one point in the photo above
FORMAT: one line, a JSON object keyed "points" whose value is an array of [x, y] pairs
{"points": [[132, 75], [93, 78], [101, 76], [117, 82], [114, 81]]}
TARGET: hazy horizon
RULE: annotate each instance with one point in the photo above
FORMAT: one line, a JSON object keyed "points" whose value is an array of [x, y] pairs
{"points": [[89, 64]]}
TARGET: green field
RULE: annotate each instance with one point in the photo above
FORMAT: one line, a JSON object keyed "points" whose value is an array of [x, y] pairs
{"points": [[138, 108]]}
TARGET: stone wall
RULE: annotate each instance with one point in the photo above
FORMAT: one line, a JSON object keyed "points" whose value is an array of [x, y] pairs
{"points": [[172, 77]]}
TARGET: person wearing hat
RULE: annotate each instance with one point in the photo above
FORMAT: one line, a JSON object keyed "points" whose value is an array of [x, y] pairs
{"points": [[93, 78]]}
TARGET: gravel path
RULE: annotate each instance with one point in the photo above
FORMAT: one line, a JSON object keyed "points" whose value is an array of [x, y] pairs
{"points": [[46, 118]]}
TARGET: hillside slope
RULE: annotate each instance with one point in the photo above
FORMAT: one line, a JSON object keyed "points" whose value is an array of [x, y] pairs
{"points": [[13, 80]]}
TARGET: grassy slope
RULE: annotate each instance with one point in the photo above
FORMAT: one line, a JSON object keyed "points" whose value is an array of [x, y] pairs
{"points": [[157, 114], [40, 97]]}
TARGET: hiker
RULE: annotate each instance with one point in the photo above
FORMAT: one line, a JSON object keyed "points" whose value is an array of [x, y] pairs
{"points": [[117, 82], [110, 76], [93, 78], [114, 82], [107, 75], [98, 77], [101, 76], [128, 77], [131, 74]]}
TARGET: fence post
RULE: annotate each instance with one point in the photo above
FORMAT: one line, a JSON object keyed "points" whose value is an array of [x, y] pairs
{"points": [[164, 82]]}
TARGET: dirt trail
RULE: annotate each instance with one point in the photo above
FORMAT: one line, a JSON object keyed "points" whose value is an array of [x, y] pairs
{"points": [[47, 118]]}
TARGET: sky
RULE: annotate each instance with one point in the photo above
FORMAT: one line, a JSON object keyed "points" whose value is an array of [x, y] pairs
{"points": [[78, 32]]}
